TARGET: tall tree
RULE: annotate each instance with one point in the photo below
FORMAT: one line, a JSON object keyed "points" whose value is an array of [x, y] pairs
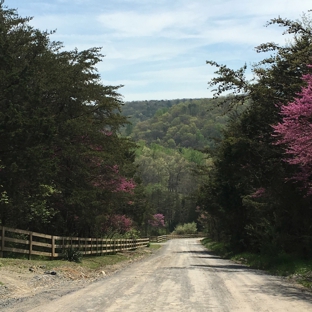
{"points": [[59, 133], [246, 197], [294, 133]]}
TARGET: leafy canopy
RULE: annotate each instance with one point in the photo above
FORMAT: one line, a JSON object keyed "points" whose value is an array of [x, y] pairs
{"points": [[59, 134]]}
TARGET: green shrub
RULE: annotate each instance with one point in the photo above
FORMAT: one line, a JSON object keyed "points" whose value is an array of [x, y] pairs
{"points": [[132, 234], [187, 228], [72, 255]]}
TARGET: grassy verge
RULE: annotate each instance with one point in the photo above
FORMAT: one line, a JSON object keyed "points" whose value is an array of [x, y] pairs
{"points": [[88, 262], [300, 270], [154, 246]]}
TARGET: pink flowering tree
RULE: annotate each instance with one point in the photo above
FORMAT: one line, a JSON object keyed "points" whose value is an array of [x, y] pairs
{"points": [[121, 223], [294, 132], [111, 179], [115, 224], [156, 223], [158, 220], [260, 192]]}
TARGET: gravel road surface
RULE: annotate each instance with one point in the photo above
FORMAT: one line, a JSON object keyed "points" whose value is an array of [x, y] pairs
{"points": [[183, 276]]}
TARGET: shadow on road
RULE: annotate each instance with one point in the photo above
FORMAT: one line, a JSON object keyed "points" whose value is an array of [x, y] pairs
{"points": [[224, 268], [198, 253], [293, 292], [272, 285]]}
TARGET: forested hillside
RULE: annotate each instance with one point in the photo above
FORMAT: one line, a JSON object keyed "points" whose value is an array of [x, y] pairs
{"points": [[142, 110], [172, 136], [194, 123], [169, 181]]}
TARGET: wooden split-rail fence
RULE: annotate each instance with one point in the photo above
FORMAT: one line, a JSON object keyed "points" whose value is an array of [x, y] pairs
{"points": [[163, 238], [31, 243]]}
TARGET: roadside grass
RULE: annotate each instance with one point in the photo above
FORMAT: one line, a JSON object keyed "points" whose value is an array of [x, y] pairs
{"points": [[281, 264], [154, 246], [220, 248], [87, 262]]}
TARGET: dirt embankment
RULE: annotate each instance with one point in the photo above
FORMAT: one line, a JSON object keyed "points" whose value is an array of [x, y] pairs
{"points": [[22, 280]]}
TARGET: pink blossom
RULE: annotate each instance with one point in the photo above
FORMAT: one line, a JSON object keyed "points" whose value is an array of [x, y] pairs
{"points": [[294, 132], [116, 223], [114, 181], [157, 221], [115, 168], [124, 185], [258, 193]]}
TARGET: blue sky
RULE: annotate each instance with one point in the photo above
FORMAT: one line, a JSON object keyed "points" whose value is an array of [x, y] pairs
{"points": [[158, 49]]}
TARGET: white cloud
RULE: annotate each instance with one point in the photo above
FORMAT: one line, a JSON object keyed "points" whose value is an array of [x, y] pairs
{"points": [[154, 45]]}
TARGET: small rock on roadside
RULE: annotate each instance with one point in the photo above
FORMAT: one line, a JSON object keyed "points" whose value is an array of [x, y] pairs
{"points": [[50, 272]]}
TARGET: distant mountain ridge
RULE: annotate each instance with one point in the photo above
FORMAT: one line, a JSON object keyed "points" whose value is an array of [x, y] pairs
{"points": [[194, 123]]}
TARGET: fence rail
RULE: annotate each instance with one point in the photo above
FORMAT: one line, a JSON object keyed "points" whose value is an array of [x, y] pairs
{"points": [[32, 243], [163, 238]]}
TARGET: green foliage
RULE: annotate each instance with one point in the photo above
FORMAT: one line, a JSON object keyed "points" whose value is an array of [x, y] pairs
{"points": [[139, 111], [220, 248], [59, 133], [169, 182], [71, 254], [193, 156], [132, 234], [3, 193], [187, 228], [4, 197], [247, 199], [183, 123], [167, 173]]}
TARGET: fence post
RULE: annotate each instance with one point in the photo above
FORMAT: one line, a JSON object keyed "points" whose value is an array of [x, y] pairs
{"points": [[53, 247], [2, 241], [30, 245]]}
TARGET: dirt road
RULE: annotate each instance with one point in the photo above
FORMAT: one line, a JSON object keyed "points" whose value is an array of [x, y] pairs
{"points": [[183, 276]]}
